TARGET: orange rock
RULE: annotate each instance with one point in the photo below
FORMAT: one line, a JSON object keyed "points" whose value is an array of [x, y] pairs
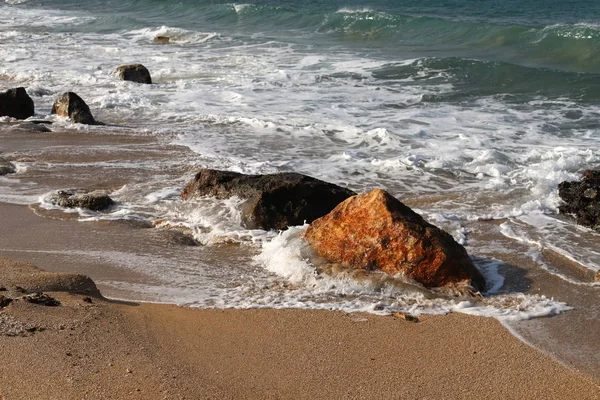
{"points": [[375, 231]]}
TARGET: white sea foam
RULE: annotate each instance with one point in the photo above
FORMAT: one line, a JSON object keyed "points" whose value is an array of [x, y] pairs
{"points": [[283, 257], [177, 35], [255, 104]]}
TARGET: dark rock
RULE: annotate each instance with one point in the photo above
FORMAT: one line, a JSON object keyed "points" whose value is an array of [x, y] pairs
{"points": [[79, 198], [70, 105], [3, 289], [582, 199], [87, 299], [5, 301], [42, 299], [6, 167], [376, 232], [16, 103], [31, 127], [134, 73], [273, 201]]}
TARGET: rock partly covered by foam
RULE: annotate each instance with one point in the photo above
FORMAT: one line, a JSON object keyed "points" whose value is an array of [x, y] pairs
{"points": [[134, 73], [582, 199], [78, 198], [375, 231], [6, 167], [273, 201], [70, 105], [16, 103]]}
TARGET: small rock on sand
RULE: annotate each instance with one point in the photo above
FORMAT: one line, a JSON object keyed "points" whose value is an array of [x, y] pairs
{"points": [[79, 198], [6, 167]]}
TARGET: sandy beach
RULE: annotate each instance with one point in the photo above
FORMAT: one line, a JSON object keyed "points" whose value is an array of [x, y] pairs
{"points": [[119, 350], [97, 348]]}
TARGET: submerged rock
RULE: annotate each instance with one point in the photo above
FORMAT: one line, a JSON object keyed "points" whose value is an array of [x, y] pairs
{"points": [[78, 198], [162, 39], [377, 232], [134, 73], [70, 105], [32, 127], [16, 103], [6, 167], [582, 199], [273, 201]]}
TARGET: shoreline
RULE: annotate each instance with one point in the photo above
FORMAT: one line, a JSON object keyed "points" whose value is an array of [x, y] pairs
{"points": [[59, 243], [118, 349]]}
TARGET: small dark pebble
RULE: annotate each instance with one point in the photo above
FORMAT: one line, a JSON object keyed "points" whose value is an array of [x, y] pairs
{"points": [[3, 289], [5, 301], [20, 289], [87, 299], [42, 299]]}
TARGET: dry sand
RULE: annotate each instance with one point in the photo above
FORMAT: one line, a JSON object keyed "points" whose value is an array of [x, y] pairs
{"points": [[107, 349]]}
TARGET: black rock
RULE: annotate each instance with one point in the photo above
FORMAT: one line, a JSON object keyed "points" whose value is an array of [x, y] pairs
{"points": [[42, 299], [134, 73], [273, 201], [16, 103], [582, 199], [6, 167], [79, 198], [5, 301], [70, 105]]}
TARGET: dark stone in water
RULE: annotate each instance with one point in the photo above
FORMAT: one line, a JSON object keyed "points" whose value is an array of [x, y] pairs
{"points": [[16, 103], [79, 198], [582, 199], [70, 105], [6, 167], [162, 39], [31, 127], [273, 201], [134, 73]]}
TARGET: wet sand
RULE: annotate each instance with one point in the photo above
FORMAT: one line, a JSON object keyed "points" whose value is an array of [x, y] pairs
{"points": [[174, 352], [109, 349]]}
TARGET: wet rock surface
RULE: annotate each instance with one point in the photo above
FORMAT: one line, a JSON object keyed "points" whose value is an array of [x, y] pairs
{"points": [[6, 167], [135, 72], [582, 199], [5, 301], [377, 232], [79, 198], [273, 201], [42, 299], [70, 105], [16, 103]]}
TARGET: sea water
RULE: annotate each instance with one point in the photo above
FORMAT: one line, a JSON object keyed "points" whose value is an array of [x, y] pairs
{"points": [[471, 111]]}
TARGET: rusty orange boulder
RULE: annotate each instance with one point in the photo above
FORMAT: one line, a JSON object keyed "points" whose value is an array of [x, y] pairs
{"points": [[375, 231]]}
